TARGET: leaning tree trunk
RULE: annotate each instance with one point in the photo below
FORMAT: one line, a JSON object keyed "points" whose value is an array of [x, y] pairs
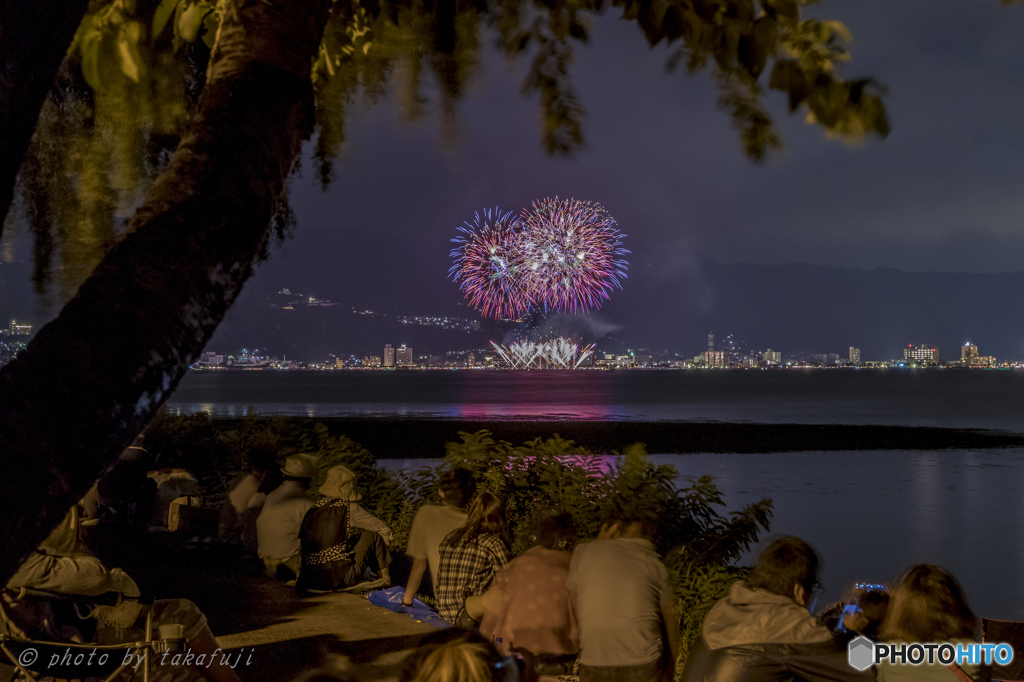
{"points": [[92, 378], [34, 37]]}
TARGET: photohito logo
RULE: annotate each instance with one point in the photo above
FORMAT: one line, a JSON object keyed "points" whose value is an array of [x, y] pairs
{"points": [[863, 653]]}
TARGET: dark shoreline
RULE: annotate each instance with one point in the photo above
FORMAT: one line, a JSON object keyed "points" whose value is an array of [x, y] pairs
{"points": [[397, 438]]}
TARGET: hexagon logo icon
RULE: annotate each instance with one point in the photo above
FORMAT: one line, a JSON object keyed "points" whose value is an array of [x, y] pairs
{"points": [[861, 653]]}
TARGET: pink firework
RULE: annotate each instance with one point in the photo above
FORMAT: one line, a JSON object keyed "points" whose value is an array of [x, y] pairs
{"points": [[487, 265], [569, 253]]}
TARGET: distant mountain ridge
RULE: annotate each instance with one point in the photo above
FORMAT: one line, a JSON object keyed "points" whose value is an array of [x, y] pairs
{"points": [[822, 308], [671, 306]]}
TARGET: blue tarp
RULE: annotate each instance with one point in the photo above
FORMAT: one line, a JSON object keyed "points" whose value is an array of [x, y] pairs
{"points": [[391, 599]]}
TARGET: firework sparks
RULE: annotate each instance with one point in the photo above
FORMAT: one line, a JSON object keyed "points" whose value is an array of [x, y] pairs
{"points": [[487, 263], [562, 254], [559, 353], [570, 251]]}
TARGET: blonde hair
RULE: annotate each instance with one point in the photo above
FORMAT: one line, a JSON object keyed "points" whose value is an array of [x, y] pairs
{"points": [[455, 661], [928, 606]]}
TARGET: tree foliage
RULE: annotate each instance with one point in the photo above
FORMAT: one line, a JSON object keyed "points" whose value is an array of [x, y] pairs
{"points": [[135, 69]]}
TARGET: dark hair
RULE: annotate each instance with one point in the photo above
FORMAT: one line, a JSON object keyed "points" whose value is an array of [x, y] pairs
{"points": [[272, 480], [784, 564], [261, 457], [625, 517], [486, 515], [929, 606], [556, 531], [873, 605], [458, 486]]}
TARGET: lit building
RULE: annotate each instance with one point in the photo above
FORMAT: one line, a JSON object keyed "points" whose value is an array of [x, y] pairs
{"points": [[715, 358], [389, 356], [969, 357], [773, 357], [925, 355], [855, 356], [371, 361], [19, 329], [711, 343], [405, 358], [471, 360], [210, 359]]}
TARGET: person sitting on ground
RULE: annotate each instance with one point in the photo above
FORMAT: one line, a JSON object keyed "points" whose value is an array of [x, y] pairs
{"points": [[272, 480], [259, 460], [340, 539], [763, 630], [470, 557], [620, 592], [529, 607], [278, 524], [928, 605], [64, 564], [432, 523]]}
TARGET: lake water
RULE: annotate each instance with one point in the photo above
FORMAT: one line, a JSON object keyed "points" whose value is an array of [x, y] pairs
{"points": [[871, 515], [973, 399]]}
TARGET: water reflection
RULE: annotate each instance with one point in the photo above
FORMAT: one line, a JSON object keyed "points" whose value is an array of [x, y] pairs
{"points": [[871, 515]]}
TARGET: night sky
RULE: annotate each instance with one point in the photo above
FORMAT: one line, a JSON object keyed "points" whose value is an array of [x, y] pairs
{"points": [[941, 193]]}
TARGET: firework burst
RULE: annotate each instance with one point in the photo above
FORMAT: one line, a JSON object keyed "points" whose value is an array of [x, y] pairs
{"points": [[570, 254], [488, 264], [562, 254]]}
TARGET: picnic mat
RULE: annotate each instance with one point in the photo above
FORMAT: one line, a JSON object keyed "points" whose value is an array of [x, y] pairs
{"points": [[391, 599]]}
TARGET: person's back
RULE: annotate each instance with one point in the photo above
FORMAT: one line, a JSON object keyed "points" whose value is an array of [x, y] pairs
{"points": [[278, 524], [529, 606], [431, 525], [619, 586], [340, 539], [763, 629], [470, 557], [927, 606]]}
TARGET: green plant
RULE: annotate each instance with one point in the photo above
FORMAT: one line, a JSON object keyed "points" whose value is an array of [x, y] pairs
{"points": [[700, 544]]}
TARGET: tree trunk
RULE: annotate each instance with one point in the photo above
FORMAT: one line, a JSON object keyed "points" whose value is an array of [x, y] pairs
{"points": [[34, 37], [92, 378]]}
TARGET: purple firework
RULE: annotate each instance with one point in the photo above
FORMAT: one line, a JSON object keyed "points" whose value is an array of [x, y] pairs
{"points": [[569, 252], [487, 265]]}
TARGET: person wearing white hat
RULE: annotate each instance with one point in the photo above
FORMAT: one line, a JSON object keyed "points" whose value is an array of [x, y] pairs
{"points": [[277, 528], [340, 539]]}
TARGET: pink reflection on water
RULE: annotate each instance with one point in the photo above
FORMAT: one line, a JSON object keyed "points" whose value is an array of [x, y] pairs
{"points": [[544, 411], [548, 395]]}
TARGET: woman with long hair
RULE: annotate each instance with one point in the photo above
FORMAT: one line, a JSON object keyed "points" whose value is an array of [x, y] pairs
{"points": [[928, 605], [470, 557]]}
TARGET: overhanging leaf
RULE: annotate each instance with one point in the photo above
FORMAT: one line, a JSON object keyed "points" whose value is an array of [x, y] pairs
{"points": [[162, 15]]}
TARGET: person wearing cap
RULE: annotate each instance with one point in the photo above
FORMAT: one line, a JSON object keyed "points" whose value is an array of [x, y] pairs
{"points": [[277, 528], [340, 539]]}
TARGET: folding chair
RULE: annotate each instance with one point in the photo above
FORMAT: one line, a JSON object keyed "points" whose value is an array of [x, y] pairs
{"points": [[1012, 633], [35, 659]]}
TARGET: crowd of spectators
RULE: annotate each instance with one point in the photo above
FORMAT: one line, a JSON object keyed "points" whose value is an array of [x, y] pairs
{"points": [[601, 608]]}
